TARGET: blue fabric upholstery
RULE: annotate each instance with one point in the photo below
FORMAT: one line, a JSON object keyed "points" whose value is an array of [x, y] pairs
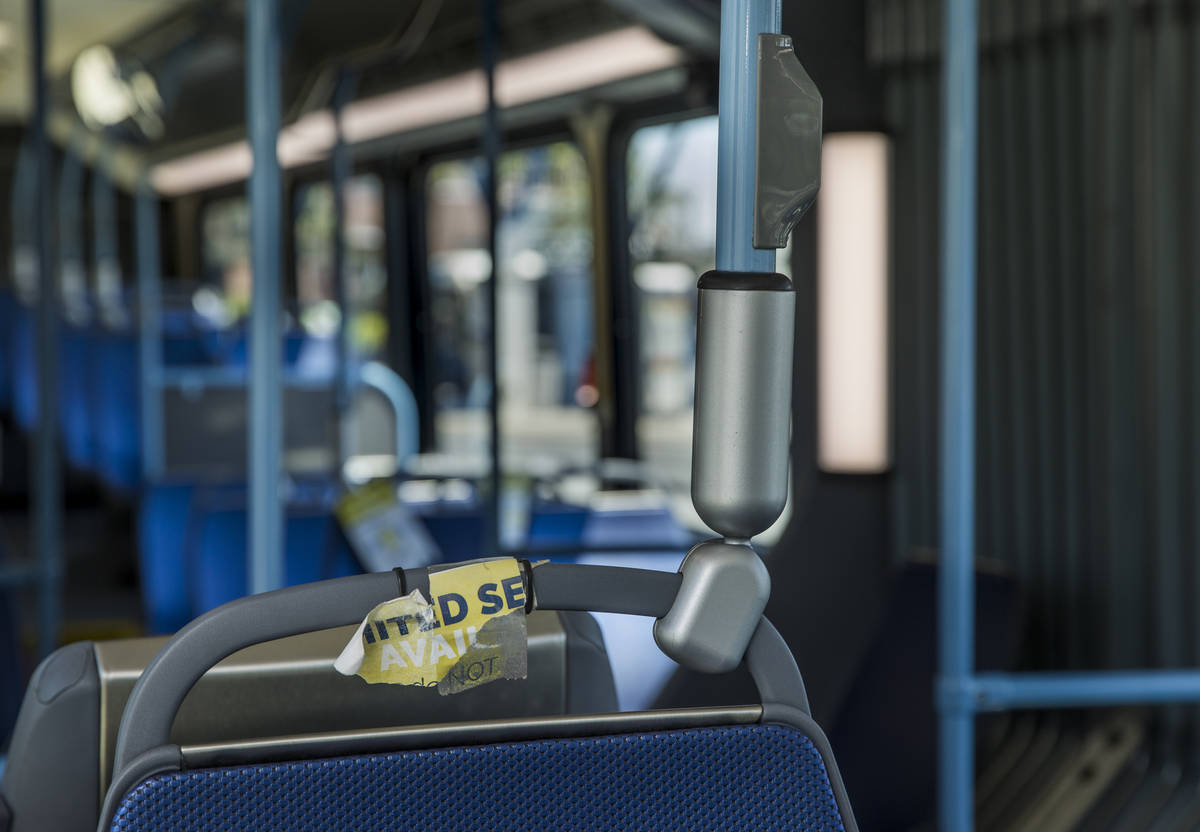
{"points": [[749, 777], [77, 381], [162, 523], [217, 547], [24, 368], [118, 414]]}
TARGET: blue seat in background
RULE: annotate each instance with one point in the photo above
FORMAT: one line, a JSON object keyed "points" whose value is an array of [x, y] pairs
{"points": [[632, 527], [555, 523], [77, 405], [162, 527], [457, 527], [118, 412], [216, 557], [228, 347], [25, 390], [116, 406]]}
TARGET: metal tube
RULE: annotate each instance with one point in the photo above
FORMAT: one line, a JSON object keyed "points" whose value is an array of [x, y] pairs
{"points": [[744, 337], [383, 380], [72, 282], [1005, 692], [742, 21], [745, 317], [341, 164], [47, 485], [956, 587], [105, 257], [24, 172], [150, 350], [491, 153], [266, 565]]}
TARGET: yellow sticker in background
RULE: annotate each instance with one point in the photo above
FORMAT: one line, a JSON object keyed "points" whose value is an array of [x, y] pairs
{"points": [[470, 632]]}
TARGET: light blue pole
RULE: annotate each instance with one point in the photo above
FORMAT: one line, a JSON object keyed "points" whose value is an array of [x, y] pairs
{"points": [[266, 349], [24, 174], [1014, 691], [47, 475], [742, 21], [956, 588], [341, 166], [105, 259], [70, 225], [150, 355]]}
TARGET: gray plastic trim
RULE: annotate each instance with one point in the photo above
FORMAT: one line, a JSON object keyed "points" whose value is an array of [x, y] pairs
{"points": [[344, 743], [50, 781], [720, 602], [562, 586], [221, 632]]}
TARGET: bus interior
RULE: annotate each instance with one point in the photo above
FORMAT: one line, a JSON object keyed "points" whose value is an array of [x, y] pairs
{"points": [[482, 223]]}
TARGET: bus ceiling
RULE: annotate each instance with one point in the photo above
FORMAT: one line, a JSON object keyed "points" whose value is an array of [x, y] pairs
{"points": [[148, 76]]}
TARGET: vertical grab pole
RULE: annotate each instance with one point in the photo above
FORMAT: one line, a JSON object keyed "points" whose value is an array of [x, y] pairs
{"points": [[105, 260], [491, 153], [150, 349], [956, 589], [266, 360], [340, 169], [742, 21], [47, 486]]}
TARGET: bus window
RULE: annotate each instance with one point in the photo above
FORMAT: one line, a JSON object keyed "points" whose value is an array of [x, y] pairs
{"points": [[365, 271], [672, 204], [225, 227], [545, 332]]}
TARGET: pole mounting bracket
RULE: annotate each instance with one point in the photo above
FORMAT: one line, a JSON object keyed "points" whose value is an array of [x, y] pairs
{"points": [[788, 162]]}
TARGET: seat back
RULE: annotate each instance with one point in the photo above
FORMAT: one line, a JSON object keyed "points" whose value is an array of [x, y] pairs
{"points": [[61, 759], [757, 767]]}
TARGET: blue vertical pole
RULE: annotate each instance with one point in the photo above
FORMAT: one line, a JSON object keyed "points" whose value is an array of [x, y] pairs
{"points": [[742, 21], [341, 165], [105, 259], [47, 485], [149, 293], [266, 349], [956, 589], [72, 282]]}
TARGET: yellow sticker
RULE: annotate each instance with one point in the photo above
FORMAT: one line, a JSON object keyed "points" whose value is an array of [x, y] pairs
{"points": [[470, 632]]}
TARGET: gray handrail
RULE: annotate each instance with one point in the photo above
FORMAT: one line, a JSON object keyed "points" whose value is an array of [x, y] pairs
{"points": [[384, 381], [221, 632]]}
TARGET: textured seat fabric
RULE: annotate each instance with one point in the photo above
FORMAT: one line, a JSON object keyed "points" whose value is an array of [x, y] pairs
{"points": [[750, 777]]}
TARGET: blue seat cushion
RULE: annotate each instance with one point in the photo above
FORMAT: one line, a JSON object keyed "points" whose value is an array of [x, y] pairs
{"points": [[747, 777]]}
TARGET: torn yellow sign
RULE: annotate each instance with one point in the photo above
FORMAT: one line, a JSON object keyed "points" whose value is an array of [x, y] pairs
{"points": [[472, 631]]}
